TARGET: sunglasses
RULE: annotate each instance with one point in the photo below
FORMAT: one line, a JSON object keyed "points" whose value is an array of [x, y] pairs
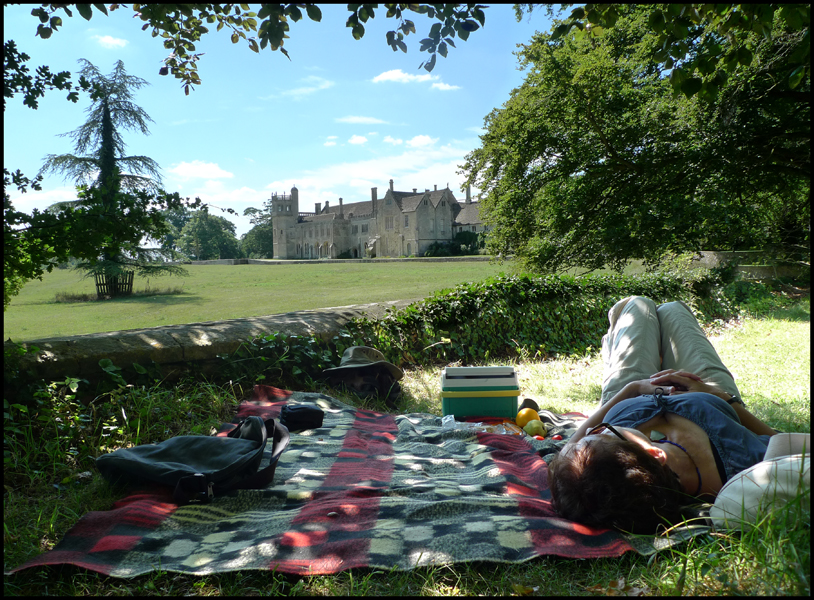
{"points": [[602, 427]]}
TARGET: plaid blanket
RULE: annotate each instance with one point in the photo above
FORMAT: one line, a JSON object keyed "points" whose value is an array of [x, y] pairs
{"points": [[364, 490]]}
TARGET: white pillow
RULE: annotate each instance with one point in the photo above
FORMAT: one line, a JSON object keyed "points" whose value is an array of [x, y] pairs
{"points": [[758, 490]]}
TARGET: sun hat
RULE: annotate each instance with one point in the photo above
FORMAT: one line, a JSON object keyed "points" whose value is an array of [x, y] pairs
{"points": [[357, 357]]}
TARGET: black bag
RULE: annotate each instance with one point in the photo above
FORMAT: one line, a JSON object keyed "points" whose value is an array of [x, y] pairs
{"points": [[200, 467], [302, 416]]}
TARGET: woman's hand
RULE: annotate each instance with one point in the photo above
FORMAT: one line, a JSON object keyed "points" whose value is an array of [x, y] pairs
{"points": [[682, 382]]}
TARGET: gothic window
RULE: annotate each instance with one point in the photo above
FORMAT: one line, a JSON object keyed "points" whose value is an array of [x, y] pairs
{"points": [[388, 223], [364, 227], [389, 201], [406, 221], [425, 202]]}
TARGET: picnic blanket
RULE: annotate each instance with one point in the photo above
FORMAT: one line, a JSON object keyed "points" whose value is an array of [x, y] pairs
{"points": [[365, 490]]}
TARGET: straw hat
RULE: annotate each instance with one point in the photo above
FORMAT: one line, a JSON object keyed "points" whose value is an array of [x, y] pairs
{"points": [[357, 357]]}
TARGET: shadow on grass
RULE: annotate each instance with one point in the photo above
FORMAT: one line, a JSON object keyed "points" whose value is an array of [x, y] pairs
{"points": [[800, 312], [90, 299]]}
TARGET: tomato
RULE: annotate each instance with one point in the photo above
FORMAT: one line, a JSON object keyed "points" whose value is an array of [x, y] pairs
{"points": [[556, 437], [539, 437]]}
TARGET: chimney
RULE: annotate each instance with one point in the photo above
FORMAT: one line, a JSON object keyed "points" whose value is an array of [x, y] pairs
{"points": [[436, 187], [340, 208], [317, 207], [426, 189], [373, 191], [326, 205], [468, 195], [415, 190], [391, 185]]}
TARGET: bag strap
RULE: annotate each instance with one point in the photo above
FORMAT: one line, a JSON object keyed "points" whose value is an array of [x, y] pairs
{"points": [[280, 437], [199, 487]]}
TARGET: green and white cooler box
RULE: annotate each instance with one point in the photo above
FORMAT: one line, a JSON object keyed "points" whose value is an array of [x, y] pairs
{"points": [[480, 392]]}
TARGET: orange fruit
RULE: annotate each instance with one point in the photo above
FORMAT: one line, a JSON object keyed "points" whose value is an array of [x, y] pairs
{"points": [[526, 415]]}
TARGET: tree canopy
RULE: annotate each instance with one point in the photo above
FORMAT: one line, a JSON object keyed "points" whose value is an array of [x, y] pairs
{"points": [[181, 26], [258, 242], [594, 160], [208, 237], [104, 228], [702, 41]]}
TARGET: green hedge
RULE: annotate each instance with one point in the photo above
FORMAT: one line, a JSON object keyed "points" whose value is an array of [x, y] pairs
{"points": [[509, 316]]}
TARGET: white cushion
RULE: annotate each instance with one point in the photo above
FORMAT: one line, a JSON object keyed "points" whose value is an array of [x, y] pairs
{"points": [[758, 490]]}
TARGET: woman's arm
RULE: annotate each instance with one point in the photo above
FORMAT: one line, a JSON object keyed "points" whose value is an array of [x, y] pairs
{"points": [[691, 383], [631, 390], [751, 422]]}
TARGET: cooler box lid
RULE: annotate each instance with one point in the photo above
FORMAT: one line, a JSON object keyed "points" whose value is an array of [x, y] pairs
{"points": [[479, 379]]}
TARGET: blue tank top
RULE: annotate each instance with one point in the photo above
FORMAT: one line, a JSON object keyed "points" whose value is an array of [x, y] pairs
{"points": [[736, 447]]}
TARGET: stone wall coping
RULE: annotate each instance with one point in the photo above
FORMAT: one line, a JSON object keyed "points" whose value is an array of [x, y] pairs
{"points": [[184, 347]]}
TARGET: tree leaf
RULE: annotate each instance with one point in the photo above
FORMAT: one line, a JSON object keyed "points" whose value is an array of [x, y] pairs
{"points": [[744, 56], [85, 10], [314, 13], [796, 76], [691, 86], [656, 21]]}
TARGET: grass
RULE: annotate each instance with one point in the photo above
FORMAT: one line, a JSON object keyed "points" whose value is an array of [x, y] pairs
{"points": [[769, 353], [217, 292]]}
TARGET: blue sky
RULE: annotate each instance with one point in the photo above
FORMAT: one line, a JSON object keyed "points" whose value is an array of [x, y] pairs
{"points": [[340, 117]]}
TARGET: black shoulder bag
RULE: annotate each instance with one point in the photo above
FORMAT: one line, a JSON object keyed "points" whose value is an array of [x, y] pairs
{"points": [[199, 467]]}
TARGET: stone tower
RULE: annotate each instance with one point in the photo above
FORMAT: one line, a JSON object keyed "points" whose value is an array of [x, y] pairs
{"points": [[286, 209]]}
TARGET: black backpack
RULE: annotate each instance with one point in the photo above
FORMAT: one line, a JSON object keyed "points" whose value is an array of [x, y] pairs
{"points": [[199, 467]]}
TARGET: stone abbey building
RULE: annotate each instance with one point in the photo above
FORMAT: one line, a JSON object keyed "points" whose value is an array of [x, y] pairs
{"points": [[399, 224]]}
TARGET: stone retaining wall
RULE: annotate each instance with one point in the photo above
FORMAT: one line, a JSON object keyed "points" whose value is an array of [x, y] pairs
{"points": [[746, 260], [179, 349]]}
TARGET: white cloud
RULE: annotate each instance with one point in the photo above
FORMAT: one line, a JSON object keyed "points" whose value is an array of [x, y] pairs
{"points": [[417, 167], [313, 84], [110, 42], [421, 140], [395, 142], [201, 170], [329, 143], [357, 139], [400, 76], [361, 120], [41, 200], [445, 87]]}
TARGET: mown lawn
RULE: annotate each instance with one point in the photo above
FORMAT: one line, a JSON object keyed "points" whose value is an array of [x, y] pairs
{"points": [[769, 354], [217, 292]]}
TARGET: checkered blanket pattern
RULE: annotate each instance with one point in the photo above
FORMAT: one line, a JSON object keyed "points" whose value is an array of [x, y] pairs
{"points": [[365, 490]]}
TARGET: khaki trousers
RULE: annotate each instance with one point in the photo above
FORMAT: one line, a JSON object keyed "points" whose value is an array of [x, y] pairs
{"points": [[643, 340]]}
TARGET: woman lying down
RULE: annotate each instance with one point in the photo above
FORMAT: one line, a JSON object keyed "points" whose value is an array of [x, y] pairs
{"points": [[671, 430]]}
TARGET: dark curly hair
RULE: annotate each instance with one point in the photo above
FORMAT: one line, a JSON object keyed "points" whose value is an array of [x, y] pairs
{"points": [[615, 483]]}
